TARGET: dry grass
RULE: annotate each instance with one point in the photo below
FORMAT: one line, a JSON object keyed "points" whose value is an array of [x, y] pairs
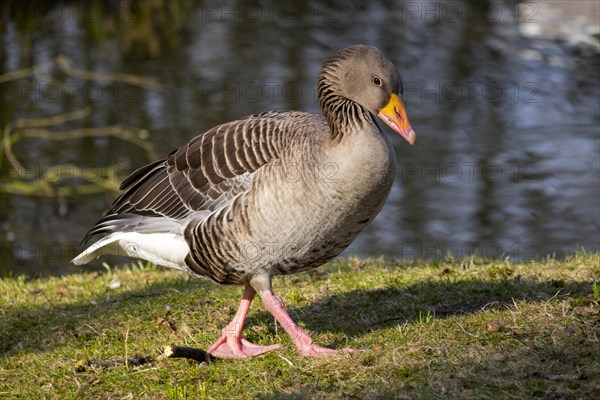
{"points": [[453, 329]]}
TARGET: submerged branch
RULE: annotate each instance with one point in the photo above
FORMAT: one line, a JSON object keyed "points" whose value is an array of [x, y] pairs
{"points": [[25, 72], [20, 180], [47, 182], [44, 189], [64, 64], [54, 120], [115, 131]]}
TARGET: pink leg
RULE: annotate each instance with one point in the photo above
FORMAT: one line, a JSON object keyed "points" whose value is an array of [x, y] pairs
{"points": [[232, 344], [301, 339]]}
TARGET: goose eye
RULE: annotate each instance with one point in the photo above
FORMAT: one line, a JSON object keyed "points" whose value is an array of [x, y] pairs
{"points": [[376, 81]]}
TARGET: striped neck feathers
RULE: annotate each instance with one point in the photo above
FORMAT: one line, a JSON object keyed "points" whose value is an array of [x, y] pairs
{"points": [[342, 114]]}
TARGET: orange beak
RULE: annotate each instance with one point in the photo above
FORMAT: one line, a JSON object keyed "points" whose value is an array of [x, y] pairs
{"points": [[394, 115]]}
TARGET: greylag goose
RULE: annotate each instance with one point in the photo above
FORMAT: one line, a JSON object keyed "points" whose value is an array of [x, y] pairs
{"points": [[269, 194]]}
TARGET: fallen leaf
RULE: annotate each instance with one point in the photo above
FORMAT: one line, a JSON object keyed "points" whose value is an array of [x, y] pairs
{"points": [[34, 290], [355, 263], [62, 290], [413, 348], [162, 321]]}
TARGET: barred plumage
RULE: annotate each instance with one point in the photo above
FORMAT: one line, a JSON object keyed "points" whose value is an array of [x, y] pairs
{"points": [[272, 193]]}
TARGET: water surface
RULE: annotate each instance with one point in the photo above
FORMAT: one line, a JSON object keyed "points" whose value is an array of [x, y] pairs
{"points": [[506, 162]]}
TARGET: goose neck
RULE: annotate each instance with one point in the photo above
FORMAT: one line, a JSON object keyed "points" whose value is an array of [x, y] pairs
{"points": [[342, 114]]}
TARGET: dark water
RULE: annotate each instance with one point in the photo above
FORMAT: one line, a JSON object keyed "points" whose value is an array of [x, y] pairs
{"points": [[506, 162]]}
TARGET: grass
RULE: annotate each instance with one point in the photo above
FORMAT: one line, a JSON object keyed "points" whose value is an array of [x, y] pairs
{"points": [[472, 329]]}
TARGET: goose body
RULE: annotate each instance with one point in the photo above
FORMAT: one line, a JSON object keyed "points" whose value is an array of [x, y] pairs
{"points": [[270, 194]]}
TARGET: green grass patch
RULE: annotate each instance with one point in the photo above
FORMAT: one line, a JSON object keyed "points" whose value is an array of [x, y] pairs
{"points": [[471, 328]]}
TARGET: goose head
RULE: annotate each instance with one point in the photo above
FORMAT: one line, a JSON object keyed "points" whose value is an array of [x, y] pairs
{"points": [[365, 76]]}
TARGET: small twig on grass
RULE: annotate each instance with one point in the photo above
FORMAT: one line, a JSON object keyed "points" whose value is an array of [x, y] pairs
{"points": [[467, 332], [286, 360], [132, 361], [383, 321], [126, 348], [191, 353]]}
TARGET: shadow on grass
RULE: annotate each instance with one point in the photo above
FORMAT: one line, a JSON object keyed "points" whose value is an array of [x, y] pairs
{"points": [[358, 311], [29, 327], [353, 313]]}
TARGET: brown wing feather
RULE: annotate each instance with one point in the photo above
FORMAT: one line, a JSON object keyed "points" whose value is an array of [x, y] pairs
{"points": [[210, 171], [205, 172]]}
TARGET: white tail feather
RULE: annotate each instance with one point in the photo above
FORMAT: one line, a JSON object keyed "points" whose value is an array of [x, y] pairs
{"points": [[166, 249]]}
